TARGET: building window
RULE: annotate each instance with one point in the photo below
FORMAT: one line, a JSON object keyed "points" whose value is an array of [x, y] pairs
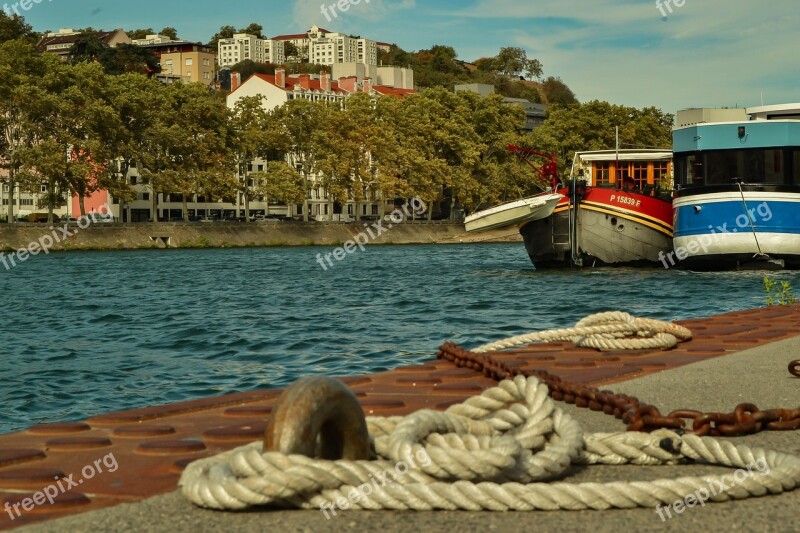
{"points": [[43, 188], [134, 179], [145, 196], [26, 201], [189, 62]]}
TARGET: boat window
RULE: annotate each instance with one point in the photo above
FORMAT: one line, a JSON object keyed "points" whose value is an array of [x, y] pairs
{"points": [[602, 173], [639, 175], [621, 172], [767, 166], [773, 167], [795, 160], [722, 167], [661, 174], [695, 171]]}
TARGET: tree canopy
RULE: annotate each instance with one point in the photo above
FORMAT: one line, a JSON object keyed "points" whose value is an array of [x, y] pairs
{"points": [[14, 27], [591, 126], [440, 66], [121, 59], [226, 32]]}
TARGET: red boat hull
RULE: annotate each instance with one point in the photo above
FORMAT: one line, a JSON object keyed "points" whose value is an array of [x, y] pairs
{"points": [[609, 227]]}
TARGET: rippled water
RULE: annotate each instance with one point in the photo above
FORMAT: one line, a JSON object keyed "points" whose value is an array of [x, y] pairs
{"points": [[93, 332]]}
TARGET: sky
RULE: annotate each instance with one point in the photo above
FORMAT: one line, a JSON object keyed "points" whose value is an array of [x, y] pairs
{"points": [[687, 53]]}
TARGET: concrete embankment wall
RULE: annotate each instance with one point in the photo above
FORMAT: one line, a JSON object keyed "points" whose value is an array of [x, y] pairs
{"points": [[101, 236]]}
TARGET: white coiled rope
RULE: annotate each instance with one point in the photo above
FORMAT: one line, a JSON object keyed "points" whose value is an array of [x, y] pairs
{"points": [[492, 452], [613, 330]]}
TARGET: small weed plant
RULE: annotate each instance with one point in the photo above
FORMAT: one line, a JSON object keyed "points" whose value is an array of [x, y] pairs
{"points": [[778, 293]]}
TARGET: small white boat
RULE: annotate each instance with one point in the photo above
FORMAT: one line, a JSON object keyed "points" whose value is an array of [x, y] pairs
{"points": [[513, 213]]}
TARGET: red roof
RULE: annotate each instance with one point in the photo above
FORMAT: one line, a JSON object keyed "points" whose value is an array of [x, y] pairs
{"points": [[391, 91], [294, 36], [290, 37], [291, 81], [315, 85]]}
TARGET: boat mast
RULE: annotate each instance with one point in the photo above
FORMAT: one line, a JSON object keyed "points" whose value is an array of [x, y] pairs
{"points": [[616, 164]]}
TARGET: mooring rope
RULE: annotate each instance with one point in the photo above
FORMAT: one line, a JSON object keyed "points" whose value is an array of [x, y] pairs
{"points": [[495, 451], [614, 330]]}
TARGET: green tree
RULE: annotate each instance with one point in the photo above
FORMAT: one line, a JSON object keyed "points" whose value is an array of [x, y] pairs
{"points": [[591, 126], [200, 148], [76, 133], [225, 32], [557, 92], [512, 88], [290, 50], [248, 67], [21, 70], [300, 119], [251, 124], [138, 102], [115, 61], [513, 61], [90, 49], [132, 58], [14, 27], [351, 140], [170, 32], [281, 183], [140, 33], [254, 29]]}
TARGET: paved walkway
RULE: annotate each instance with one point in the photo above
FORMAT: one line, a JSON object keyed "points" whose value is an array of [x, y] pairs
{"points": [[757, 375]]}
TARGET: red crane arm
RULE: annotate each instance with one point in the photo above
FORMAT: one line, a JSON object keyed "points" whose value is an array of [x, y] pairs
{"points": [[548, 170]]}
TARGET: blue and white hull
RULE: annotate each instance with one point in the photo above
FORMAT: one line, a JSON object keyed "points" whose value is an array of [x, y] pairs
{"points": [[716, 228]]}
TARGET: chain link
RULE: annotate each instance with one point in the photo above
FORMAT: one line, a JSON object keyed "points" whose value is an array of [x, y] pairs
{"points": [[638, 416], [794, 368]]}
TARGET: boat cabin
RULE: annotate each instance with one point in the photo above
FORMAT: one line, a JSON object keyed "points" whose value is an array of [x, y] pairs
{"points": [[647, 172], [763, 150]]}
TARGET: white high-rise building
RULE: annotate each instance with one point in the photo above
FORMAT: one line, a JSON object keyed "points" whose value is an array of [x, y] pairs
{"points": [[244, 46], [328, 48]]}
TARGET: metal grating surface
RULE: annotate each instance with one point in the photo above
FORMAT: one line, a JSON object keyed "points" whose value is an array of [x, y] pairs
{"points": [[151, 446]]}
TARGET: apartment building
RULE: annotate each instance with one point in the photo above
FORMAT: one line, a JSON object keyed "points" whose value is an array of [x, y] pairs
{"points": [[61, 42], [276, 90], [395, 77], [243, 46], [325, 47], [25, 202], [182, 60]]}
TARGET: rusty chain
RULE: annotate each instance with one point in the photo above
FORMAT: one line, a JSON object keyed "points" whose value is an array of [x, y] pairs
{"points": [[638, 416], [794, 368]]}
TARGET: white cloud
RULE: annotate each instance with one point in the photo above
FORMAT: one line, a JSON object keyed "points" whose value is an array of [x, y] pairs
{"points": [[308, 12], [708, 53]]}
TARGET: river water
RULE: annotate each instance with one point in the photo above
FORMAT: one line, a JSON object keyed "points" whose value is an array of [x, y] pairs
{"points": [[93, 332]]}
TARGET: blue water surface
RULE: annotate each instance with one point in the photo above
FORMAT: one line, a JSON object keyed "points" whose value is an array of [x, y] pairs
{"points": [[93, 332]]}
